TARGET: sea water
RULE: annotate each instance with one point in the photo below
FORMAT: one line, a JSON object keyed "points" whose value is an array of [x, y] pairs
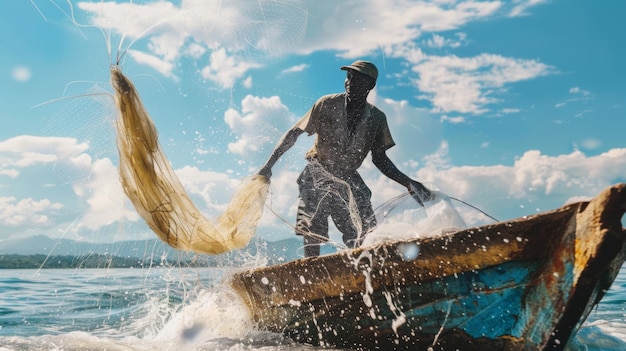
{"points": [[179, 309]]}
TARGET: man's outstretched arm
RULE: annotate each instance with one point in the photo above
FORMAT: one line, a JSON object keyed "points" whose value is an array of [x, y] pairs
{"points": [[386, 167], [285, 143]]}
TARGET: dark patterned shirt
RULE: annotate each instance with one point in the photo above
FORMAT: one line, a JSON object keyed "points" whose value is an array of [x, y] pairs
{"points": [[335, 147]]}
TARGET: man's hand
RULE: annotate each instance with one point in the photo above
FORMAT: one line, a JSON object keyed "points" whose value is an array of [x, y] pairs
{"points": [[420, 193]]}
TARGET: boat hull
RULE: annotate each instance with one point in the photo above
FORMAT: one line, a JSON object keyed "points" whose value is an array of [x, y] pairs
{"points": [[525, 284]]}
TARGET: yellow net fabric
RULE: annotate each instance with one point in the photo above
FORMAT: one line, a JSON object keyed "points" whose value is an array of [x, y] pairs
{"points": [[158, 195]]}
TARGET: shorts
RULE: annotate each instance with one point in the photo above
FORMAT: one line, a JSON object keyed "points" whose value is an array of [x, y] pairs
{"points": [[345, 198]]}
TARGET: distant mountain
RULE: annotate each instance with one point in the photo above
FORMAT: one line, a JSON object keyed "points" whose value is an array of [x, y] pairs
{"points": [[41, 244], [154, 249]]}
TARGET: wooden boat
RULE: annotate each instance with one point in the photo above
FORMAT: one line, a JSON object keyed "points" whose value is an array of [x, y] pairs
{"points": [[524, 284]]}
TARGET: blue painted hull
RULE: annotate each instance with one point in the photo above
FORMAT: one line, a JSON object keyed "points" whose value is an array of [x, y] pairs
{"points": [[526, 284]]}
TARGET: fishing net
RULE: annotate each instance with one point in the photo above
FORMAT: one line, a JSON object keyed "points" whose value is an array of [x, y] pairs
{"points": [[338, 191], [403, 218], [157, 194]]}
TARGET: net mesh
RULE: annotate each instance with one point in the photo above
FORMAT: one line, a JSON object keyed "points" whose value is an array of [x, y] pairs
{"points": [[334, 186], [402, 218], [157, 194]]}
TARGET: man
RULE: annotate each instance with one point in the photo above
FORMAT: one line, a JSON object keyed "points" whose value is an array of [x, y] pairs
{"points": [[347, 128]]}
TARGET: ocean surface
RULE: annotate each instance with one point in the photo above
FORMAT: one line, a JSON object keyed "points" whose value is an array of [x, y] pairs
{"points": [[179, 309]]}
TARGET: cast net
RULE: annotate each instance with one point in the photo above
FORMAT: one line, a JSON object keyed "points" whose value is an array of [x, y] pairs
{"points": [[403, 218], [157, 194]]}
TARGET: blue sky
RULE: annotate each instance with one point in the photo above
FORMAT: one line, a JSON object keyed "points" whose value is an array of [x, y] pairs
{"points": [[514, 106]]}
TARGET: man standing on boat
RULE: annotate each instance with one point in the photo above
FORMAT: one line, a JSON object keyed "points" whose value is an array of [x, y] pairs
{"points": [[347, 128]]}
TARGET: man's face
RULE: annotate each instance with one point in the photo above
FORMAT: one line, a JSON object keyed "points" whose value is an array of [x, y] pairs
{"points": [[357, 84]]}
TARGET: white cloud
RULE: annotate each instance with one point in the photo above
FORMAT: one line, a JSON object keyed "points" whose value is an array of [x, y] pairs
{"points": [[577, 90], [247, 83], [21, 74], [590, 144], [438, 41], [225, 70], [195, 50], [134, 20], [239, 34], [12, 173], [358, 28], [27, 151], [289, 26], [193, 27], [213, 188], [520, 7], [295, 69], [509, 111], [103, 193], [578, 95], [534, 179], [35, 213], [66, 160], [453, 120], [241, 30], [580, 114], [258, 123], [467, 85], [162, 66]]}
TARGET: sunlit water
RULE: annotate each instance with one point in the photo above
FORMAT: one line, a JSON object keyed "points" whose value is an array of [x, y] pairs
{"points": [[178, 309]]}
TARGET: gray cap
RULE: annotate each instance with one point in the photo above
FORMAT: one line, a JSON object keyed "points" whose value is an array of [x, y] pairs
{"points": [[364, 67]]}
